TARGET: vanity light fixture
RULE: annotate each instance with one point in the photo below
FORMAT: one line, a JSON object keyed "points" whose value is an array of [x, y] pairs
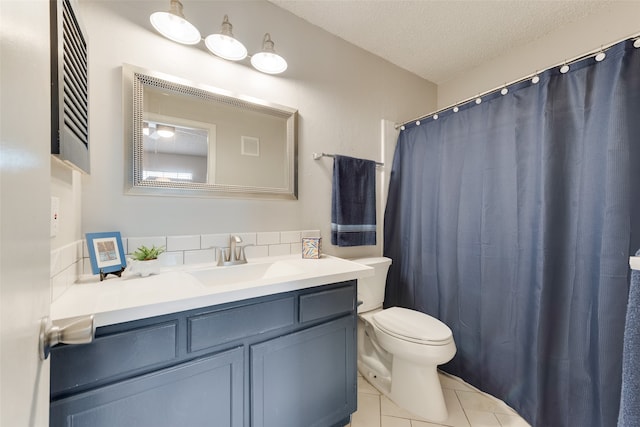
{"points": [[535, 79], [456, 109], [224, 44], [636, 43], [165, 131], [564, 69], [174, 26]]}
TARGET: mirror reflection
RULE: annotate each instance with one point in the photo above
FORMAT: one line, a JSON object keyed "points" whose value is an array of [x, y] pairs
{"points": [[189, 139]]}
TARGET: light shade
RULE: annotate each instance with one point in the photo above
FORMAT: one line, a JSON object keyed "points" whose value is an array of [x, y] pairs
{"points": [[268, 61], [224, 44], [174, 26]]}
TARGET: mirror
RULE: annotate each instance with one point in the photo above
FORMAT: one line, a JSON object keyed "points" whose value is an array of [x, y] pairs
{"points": [[189, 139]]}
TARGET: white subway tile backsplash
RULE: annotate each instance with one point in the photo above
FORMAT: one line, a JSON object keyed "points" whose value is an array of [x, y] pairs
{"points": [[183, 243], [171, 259], [290, 236], [280, 249], [214, 240], [247, 238], [296, 248], [268, 238], [256, 252], [135, 242], [199, 256]]}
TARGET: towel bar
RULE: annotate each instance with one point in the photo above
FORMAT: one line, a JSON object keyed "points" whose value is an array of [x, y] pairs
{"points": [[316, 156]]}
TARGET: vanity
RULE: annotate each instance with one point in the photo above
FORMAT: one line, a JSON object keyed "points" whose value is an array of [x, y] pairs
{"points": [[273, 344]]}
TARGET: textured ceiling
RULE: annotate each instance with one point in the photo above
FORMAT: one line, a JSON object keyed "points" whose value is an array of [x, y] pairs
{"points": [[438, 39]]}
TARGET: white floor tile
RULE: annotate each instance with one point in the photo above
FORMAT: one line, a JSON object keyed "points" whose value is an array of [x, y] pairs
{"points": [[475, 401], [415, 423], [481, 419], [511, 421], [368, 413], [452, 382], [395, 422], [365, 387], [457, 418]]}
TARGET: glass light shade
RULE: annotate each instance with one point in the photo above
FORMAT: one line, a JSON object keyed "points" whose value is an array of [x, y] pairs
{"points": [[174, 26], [165, 131], [226, 47], [224, 44], [268, 61]]}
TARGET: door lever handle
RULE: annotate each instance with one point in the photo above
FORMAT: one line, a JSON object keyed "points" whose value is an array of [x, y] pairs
{"points": [[79, 331]]}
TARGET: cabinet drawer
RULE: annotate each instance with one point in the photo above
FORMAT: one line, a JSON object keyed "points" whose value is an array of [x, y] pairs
{"points": [[215, 328], [112, 355], [327, 303]]}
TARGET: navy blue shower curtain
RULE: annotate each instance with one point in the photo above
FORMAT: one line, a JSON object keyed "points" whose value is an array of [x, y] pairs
{"points": [[512, 221]]}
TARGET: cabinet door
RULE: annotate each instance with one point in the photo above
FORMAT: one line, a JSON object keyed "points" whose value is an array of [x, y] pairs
{"points": [[305, 379], [202, 392]]}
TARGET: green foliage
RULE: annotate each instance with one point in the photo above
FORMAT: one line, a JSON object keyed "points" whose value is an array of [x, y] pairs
{"points": [[145, 254]]}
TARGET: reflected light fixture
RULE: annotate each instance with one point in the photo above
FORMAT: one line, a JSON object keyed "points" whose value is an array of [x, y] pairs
{"points": [[145, 128], [268, 61], [224, 44], [174, 26], [165, 131]]}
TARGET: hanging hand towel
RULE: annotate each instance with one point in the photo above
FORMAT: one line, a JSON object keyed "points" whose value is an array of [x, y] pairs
{"points": [[353, 202], [629, 415]]}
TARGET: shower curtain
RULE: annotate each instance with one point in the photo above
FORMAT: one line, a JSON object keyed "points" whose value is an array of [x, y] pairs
{"points": [[512, 222]]}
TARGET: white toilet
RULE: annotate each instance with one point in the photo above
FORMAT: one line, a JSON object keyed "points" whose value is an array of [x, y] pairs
{"points": [[399, 349]]}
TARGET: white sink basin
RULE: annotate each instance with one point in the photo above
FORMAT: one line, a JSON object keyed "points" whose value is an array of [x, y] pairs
{"points": [[249, 272]]}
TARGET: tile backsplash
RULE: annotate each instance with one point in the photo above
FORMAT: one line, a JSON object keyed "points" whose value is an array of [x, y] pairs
{"points": [[71, 261]]}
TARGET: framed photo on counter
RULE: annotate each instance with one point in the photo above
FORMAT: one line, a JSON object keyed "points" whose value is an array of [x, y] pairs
{"points": [[106, 253]]}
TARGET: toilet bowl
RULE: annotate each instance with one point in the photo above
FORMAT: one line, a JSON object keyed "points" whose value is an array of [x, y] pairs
{"points": [[399, 349]]}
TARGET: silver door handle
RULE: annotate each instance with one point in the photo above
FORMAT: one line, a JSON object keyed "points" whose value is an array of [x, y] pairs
{"points": [[79, 331]]}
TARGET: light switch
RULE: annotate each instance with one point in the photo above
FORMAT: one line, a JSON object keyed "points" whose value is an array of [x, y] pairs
{"points": [[55, 215]]}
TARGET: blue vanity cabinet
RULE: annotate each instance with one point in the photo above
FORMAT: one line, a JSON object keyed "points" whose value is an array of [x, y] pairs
{"points": [[282, 360]]}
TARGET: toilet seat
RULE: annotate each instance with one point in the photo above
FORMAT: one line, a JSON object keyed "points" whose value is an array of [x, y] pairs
{"points": [[412, 326]]}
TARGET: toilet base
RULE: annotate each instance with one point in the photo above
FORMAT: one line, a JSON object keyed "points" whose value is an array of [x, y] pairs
{"points": [[418, 390]]}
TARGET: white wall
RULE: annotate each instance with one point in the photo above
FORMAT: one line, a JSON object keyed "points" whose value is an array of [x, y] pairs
{"points": [[341, 93], [621, 20]]}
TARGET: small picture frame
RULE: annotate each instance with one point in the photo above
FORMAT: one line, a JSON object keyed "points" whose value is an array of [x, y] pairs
{"points": [[106, 253]]}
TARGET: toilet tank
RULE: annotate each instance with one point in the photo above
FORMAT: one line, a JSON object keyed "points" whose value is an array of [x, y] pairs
{"points": [[371, 289]]}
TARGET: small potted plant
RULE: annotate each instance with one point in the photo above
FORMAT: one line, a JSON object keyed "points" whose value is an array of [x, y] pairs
{"points": [[144, 260]]}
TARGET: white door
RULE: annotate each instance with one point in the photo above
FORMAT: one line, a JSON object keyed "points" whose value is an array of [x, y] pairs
{"points": [[24, 210]]}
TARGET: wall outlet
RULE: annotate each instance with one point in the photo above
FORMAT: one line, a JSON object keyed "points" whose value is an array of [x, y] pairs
{"points": [[55, 215]]}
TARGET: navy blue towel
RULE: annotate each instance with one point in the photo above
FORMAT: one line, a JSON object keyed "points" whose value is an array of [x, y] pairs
{"points": [[629, 415], [353, 202]]}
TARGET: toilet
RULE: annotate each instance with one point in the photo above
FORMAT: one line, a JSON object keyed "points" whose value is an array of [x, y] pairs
{"points": [[399, 350]]}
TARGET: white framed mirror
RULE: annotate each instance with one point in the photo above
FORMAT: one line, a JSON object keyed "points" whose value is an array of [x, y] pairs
{"points": [[188, 139]]}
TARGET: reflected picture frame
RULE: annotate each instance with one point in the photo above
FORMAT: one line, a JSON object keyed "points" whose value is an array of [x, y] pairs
{"points": [[106, 253]]}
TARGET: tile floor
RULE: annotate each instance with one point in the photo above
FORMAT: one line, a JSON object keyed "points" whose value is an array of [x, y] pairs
{"points": [[467, 407]]}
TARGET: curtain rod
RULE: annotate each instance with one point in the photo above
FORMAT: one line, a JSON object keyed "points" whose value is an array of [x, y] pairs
{"points": [[522, 79], [317, 156]]}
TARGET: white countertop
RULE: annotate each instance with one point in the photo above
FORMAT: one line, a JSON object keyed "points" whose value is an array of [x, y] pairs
{"points": [[132, 297]]}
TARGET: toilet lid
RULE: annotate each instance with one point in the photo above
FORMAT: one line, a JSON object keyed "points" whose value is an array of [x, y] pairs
{"points": [[413, 326]]}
